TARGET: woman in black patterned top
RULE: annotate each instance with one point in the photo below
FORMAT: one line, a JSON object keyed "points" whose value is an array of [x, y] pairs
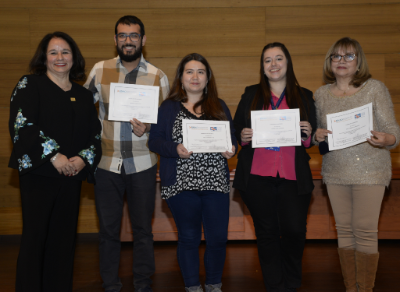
{"points": [[56, 145], [195, 185]]}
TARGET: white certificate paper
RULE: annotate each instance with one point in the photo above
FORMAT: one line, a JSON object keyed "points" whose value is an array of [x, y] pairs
{"points": [[129, 101], [206, 136], [276, 128], [350, 127]]}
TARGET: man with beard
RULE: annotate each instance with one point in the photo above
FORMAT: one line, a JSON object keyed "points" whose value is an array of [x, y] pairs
{"points": [[127, 165]]}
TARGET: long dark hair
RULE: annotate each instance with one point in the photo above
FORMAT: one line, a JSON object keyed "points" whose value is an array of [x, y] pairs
{"points": [[38, 66], [293, 89], [210, 105]]}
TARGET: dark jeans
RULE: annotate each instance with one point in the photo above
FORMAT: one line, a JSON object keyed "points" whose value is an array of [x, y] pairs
{"points": [[140, 190], [280, 219], [50, 208], [190, 209]]}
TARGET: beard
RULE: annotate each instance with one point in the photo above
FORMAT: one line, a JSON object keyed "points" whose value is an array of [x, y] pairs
{"points": [[130, 57]]}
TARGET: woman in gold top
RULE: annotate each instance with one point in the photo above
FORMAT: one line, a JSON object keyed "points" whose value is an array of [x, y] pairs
{"points": [[356, 176]]}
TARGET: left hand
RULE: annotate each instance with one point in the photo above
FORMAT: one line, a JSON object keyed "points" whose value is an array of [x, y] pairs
{"points": [[306, 128], [228, 154], [78, 164], [381, 139], [138, 128]]}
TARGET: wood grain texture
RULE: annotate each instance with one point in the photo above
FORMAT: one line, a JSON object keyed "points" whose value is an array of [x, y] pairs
{"points": [[212, 32], [231, 35], [309, 30], [14, 33], [177, 3], [259, 3]]}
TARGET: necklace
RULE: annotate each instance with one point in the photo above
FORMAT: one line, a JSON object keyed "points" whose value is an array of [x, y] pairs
{"points": [[343, 90]]}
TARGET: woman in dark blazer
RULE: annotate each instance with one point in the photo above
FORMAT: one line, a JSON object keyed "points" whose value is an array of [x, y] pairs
{"points": [[56, 145], [276, 182]]}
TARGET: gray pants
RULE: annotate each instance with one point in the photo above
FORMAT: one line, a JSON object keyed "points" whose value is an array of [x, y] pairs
{"points": [[140, 189], [356, 209]]}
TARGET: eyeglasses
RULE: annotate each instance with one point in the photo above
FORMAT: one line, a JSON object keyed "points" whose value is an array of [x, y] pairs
{"points": [[347, 57], [133, 36]]}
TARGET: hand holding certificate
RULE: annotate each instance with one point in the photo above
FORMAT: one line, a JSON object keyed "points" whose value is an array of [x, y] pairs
{"points": [[206, 136], [129, 101], [276, 128], [349, 127]]}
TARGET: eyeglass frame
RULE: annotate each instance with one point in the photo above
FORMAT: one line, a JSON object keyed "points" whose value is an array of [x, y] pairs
{"points": [[343, 56], [128, 35]]}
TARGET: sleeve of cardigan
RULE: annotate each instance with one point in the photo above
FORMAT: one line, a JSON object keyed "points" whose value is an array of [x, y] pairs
{"points": [[158, 140], [384, 114], [228, 115], [31, 146]]}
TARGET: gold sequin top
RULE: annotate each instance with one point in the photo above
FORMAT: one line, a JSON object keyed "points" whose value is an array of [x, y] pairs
{"points": [[362, 163]]}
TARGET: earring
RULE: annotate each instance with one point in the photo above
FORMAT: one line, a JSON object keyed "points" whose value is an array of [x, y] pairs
{"points": [[183, 88], [206, 90]]}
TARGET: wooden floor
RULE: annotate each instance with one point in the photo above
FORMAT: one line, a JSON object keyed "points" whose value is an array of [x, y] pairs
{"points": [[321, 271]]}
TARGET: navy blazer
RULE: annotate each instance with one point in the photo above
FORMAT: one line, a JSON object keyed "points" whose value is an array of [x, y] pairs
{"points": [[242, 120], [160, 140]]}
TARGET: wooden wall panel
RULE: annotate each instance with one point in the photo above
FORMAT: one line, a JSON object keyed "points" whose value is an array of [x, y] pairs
{"points": [[230, 34], [14, 33], [127, 4], [216, 32], [312, 30]]}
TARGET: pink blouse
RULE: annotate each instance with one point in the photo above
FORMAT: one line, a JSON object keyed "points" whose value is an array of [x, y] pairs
{"points": [[269, 162]]}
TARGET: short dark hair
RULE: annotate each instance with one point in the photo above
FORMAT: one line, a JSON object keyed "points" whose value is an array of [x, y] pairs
{"points": [[349, 45], [128, 20], [210, 105], [38, 66]]}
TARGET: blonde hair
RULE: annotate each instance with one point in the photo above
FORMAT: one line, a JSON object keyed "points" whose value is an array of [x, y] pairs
{"points": [[349, 45]]}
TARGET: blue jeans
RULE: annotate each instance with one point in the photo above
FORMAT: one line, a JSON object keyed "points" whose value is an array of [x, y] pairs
{"points": [[190, 209]]}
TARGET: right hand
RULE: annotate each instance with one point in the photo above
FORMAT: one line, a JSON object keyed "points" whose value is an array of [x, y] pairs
{"points": [[246, 135], [182, 151], [63, 166], [321, 134]]}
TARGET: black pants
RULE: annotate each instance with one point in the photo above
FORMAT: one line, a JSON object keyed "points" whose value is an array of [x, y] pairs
{"points": [[280, 218], [50, 208], [140, 193]]}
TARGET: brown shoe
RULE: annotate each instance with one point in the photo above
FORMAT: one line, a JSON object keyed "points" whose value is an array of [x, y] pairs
{"points": [[366, 264], [348, 263]]}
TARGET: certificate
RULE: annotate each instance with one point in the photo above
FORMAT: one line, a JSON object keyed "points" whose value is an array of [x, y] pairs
{"points": [[129, 101], [350, 127], [276, 128], [206, 136]]}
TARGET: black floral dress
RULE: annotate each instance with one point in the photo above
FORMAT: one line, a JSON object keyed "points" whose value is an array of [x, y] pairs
{"points": [[200, 172]]}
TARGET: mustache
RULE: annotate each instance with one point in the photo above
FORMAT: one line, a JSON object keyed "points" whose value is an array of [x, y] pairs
{"points": [[129, 45]]}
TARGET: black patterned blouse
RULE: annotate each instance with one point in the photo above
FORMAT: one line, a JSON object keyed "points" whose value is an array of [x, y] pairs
{"points": [[200, 172]]}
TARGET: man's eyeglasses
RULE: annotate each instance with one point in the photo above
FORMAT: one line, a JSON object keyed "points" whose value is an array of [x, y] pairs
{"points": [[133, 36], [347, 57]]}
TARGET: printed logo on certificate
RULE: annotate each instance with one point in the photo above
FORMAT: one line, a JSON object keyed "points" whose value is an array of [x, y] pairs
{"points": [[206, 136], [276, 128], [129, 101], [350, 127]]}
